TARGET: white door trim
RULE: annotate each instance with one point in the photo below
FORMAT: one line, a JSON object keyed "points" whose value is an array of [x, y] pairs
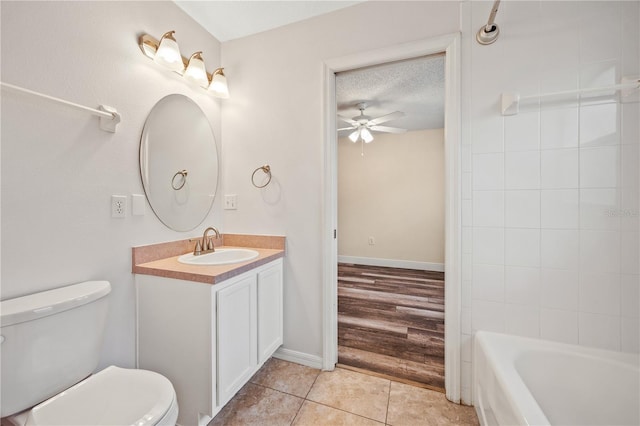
{"points": [[450, 45]]}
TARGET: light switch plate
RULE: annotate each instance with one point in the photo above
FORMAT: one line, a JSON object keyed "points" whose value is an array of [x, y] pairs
{"points": [[137, 205], [231, 202]]}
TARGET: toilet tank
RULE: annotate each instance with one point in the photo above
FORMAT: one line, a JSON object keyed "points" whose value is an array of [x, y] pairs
{"points": [[49, 341]]}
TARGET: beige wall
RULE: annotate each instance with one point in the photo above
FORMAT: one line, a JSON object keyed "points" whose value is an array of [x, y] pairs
{"points": [[394, 193]]}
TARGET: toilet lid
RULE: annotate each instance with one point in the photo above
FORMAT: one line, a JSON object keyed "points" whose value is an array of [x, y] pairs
{"points": [[114, 396]]}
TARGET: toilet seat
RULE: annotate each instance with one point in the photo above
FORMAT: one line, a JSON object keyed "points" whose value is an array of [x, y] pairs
{"points": [[114, 396]]}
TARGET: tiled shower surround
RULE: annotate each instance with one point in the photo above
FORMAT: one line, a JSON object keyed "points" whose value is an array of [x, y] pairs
{"points": [[550, 196]]}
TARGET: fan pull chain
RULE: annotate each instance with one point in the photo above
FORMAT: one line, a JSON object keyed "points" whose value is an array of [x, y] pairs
{"points": [[362, 144]]}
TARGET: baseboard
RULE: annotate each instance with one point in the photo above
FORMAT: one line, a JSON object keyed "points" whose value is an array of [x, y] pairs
{"points": [[309, 360], [392, 263]]}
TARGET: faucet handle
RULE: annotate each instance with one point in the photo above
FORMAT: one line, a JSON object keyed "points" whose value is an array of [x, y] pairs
{"points": [[210, 245], [198, 249]]}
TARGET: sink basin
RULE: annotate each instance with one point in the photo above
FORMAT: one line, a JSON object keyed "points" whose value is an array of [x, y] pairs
{"points": [[219, 257]]}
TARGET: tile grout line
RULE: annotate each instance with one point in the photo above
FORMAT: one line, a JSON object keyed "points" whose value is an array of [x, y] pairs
{"points": [[386, 417]]}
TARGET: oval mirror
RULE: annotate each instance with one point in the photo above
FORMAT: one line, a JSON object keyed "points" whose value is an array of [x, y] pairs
{"points": [[179, 162]]}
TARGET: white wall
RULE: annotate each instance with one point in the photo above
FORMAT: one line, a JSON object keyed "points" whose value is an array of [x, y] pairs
{"points": [[59, 169], [546, 251], [394, 193], [275, 116]]}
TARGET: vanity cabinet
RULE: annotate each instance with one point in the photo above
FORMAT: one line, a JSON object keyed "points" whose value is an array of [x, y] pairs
{"points": [[208, 340]]}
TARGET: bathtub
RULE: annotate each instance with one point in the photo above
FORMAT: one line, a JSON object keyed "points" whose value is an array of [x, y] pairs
{"points": [[522, 381]]}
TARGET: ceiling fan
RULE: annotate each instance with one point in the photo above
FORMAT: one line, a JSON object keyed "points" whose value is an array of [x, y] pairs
{"points": [[362, 124]]}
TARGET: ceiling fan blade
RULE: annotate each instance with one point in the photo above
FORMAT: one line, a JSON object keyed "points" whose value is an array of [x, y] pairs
{"points": [[347, 120], [385, 118], [347, 128], [388, 129]]}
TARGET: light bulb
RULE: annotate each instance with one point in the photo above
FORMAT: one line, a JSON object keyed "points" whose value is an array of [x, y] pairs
{"points": [[168, 53], [219, 84], [366, 135], [353, 137], [196, 72]]}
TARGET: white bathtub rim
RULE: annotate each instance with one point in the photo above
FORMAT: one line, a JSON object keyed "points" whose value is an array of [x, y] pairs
{"points": [[501, 353], [527, 408]]}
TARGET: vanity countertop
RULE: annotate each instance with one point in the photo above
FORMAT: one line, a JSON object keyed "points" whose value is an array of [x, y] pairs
{"points": [[162, 259]]}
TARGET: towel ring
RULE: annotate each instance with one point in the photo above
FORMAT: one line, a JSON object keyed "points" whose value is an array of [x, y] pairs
{"points": [[267, 170], [182, 173]]}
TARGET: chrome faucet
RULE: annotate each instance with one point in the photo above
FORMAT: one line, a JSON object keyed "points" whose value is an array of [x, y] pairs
{"points": [[206, 244]]}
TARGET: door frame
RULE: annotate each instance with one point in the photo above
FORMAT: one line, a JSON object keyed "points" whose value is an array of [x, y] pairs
{"points": [[450, 45]]}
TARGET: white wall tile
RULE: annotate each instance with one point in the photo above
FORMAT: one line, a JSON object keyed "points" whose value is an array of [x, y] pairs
{"points": [[522, 132], [598, 209], [599, 125], [560, 249], [630, 339], [630, 172], [630, 38], [522, 247], [467, 184], [559, 289], [467, 239], [488, 316], [630, 295], [600, 293], [630, 253], [488, 208], [522, 285], [629, 209], [599, 75], [560, 208], [523, 320], [595, 45], [600, 251], [466, 298], [487, 131], [488, 171], [466, 347], [488, 245], [488, 282], [600, 331], [467, 266], [559, 169], [559, 128], [599, 167], [522, 209], [466, 158], [630, 126], [465, 321], [467, 212], [522, 170], [559, 325]]}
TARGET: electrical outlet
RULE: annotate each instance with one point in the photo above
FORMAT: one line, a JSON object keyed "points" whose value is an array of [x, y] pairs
{"points": [[372, 241], [231, 202], [118, 206]]}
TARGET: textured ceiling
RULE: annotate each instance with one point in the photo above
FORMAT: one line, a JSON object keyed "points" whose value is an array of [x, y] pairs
{"points": [[414, 86], [228, 20]]}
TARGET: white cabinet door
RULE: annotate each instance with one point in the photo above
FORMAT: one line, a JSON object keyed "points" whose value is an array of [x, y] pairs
{"points": [[237, 336], [269, 311]]}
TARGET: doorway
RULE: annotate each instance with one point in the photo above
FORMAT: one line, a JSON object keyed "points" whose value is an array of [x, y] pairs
{"points": [[449, 45], [391, 220]]}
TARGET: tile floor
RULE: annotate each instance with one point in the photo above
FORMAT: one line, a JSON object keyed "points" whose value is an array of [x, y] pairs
{"points": [[283, 393]]}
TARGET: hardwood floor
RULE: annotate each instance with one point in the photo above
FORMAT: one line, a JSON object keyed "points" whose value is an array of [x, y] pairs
{"points": [[391, 322]]}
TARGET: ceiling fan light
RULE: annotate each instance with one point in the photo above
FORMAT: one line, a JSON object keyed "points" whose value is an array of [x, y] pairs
{"points": [[353, 137], [366, 135]]}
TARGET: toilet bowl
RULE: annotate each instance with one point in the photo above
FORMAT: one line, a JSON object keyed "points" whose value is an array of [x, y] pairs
{"points": [[114, 396], [50, 344]]}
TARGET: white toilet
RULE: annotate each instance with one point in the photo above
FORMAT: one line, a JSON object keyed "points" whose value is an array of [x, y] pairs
{"points": [[50, 344]]}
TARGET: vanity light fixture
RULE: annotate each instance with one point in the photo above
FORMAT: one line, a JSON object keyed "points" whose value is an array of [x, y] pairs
{"points": [[167, 53]]}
